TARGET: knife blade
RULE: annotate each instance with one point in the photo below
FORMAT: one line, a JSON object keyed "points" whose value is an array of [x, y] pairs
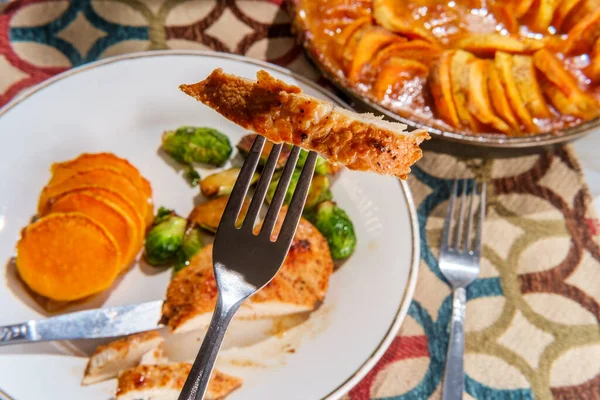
{"points": [[90, 324]]}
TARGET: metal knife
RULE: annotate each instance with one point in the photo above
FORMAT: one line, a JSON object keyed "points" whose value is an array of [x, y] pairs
{"points": [[89, 324]]}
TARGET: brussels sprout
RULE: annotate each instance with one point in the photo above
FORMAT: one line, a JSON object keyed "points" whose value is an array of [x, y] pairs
{"points": [[245, 145], [319, 191], [165, 237], [203, 145], [290, 190], [322, 167], [208, 215], [192, 243], [336, 226], [192, 176], [221, 183]]}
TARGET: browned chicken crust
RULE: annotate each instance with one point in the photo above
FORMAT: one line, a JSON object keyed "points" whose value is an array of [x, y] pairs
{"points": [[146, 380], [108, 359], [302, 280], [281, 113]]}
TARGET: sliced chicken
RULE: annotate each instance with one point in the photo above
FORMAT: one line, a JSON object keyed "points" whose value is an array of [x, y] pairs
{"points": [[109, 359], [299, 286], [155, 356], [281, 113], [164, 382]]}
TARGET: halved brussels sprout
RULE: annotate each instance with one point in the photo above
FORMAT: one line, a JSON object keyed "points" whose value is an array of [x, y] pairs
{"points": [[221, 183]]}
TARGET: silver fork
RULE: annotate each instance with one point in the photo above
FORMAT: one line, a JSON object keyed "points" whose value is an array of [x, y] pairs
{"points": [[459, 263], [243, 261]]}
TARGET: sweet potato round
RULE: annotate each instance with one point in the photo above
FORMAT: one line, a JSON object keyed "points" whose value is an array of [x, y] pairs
{"points": [[87, 161], [106, 178], [108, 215], [67, 256]]}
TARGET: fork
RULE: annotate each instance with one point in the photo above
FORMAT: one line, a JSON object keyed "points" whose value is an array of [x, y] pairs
{"points": [[459, 263], [245, 261]]}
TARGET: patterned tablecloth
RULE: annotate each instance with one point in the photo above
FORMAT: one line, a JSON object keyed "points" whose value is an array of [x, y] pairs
{"points": [[532, 317]]}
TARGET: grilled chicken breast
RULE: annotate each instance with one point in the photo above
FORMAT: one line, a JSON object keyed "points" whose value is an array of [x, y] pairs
{"points": [[155, 356], [164, 382], [109, 359], [299, 286], [281, 113]]}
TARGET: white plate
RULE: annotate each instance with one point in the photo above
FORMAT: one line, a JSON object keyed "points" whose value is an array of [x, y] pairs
{"points": [[122, 105]]}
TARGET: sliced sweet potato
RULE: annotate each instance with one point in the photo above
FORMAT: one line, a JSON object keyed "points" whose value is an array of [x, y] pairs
{"points": [[374, 39], [563, 9], [67, 256], [208, 215], [522, 7], [539, 17], [108, 215], [86, 161], [500, 100], [395, 72], [582, 36], [523, 72], [459, 76], [578, 105], [387, 13], [105, 178], [486, 44], [479, 98], [504, 63], [123, 204], [417, 50], [441, 89]]}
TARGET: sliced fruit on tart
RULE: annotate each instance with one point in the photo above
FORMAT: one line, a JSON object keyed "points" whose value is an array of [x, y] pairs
{"points": [[441, 89], [384, 12], [459, 77], [499, 99], [479, 97], [523, 72], [373, 41], [504, 65], [486, 44], [395, 72]]}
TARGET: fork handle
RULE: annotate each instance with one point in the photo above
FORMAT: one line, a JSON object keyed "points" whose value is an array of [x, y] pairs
{"points": [[454, 376], [199, 376]]}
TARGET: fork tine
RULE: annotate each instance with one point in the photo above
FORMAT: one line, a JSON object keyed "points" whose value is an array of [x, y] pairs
{"points": [[448, 220], [467, 238], [482, 202], [262, 187], [242, 184], [282, 186], [461, 215], [290, 223]]}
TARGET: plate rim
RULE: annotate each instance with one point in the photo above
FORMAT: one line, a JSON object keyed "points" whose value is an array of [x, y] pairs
{"points": [[409, 290]]}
